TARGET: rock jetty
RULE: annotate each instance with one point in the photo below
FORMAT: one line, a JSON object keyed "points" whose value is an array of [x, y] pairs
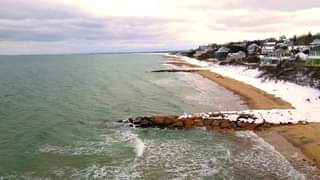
{"points": [[210, 121], [175, 70]]}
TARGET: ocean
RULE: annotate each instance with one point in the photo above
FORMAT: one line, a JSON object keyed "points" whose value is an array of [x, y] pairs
{"points": [[59, 113]]}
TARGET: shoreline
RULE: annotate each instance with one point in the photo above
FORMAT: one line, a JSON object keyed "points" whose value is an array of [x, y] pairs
{"points": [[254, 98], [302, 141]]}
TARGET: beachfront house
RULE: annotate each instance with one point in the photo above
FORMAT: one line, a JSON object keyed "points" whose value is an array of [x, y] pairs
{"points": [[236, 57], [269, 62], [221, 53], [253, 49], [314, 55], [204, 52], [268, 48], [274, 58], [280, 52], [315, 43]]}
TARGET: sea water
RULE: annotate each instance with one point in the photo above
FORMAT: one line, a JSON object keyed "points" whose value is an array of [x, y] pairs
{"points": [[59, 113]]}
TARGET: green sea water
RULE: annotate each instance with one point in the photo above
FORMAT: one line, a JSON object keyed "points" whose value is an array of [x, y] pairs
{"points": [[58, 121]]}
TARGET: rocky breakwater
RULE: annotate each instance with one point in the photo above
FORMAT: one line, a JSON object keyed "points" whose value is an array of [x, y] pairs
{"points": [[210, 121]]}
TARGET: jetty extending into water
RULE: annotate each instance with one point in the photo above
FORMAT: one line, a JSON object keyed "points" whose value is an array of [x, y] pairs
{"points": [[219, 121]]}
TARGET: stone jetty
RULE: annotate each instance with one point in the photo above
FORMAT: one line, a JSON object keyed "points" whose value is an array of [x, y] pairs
{"points": [[175, 70], [209, 121]]}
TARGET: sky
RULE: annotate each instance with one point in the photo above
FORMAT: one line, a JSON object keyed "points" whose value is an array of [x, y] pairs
{"points": [[87, 26]]}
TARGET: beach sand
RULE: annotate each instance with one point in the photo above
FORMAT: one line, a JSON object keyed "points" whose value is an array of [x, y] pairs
{"points": [[253, 97], [300, 144], [294, 152], [304, 137]]}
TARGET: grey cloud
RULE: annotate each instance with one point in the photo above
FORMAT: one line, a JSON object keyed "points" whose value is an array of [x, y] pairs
{"points": [[21, 21], [22, 9], [280, 5], [254, 21]]}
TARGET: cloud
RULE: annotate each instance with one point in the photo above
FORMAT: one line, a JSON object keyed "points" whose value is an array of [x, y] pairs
{"points": [[52, 26], [278, 5]]}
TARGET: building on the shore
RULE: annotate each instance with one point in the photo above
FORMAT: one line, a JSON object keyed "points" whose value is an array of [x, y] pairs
{"points": [[268, 48], [314, 55], [239, 56], [203, 51], [279, 54], [221, 53], [300, 48], [269, 61], [239, 44], [253, 49], [315, 43]]}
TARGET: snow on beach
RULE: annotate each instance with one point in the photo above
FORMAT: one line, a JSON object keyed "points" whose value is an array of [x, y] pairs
{"points": [[306, 100]]}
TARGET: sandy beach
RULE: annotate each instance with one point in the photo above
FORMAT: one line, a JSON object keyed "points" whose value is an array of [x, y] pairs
{"points": [[300, 144], [253, 97]]}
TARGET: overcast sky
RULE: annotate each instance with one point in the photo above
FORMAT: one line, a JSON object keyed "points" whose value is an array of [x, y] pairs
{"points": [[81, 26]]}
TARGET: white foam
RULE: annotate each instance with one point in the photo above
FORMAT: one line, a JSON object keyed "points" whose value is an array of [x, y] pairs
{"points": [[139, 146], [133, 138], [263, 156]]}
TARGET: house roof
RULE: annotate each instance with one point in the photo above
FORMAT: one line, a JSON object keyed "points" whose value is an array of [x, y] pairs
{"points": [[253, 45], [315, 42], [269, 44], [223, 50]]}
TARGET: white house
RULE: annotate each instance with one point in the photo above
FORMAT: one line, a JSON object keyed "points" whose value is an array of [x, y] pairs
{"points": [[280, 52], [253, 48], [314, 56], [269, 61], [268, 47], [236, 57], [203, 50], [222, 53], [315, 42]]}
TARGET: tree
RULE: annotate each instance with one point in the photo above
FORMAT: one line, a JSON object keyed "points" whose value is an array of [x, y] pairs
{"points": [[294, 40], [309, 38]]}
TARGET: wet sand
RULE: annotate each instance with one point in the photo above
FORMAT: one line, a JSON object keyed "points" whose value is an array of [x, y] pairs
{"points": [[296, 155], [304, 137]]}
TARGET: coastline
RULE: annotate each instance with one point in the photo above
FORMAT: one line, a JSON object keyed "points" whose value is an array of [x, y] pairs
{"points": [[300, 144], [253, 97]]}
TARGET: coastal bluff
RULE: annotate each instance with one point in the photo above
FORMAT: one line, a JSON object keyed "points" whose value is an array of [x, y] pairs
{"points": [[210, 121]]}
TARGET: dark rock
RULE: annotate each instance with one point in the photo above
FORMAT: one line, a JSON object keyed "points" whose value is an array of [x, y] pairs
{"points": [[188, 123], [198, 123], [225, 124], [215, 123], [178, 124], [145, 123], [130, 120]]}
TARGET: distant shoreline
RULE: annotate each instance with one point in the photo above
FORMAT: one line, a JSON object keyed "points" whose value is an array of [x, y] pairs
{"points": [[91, 53]]}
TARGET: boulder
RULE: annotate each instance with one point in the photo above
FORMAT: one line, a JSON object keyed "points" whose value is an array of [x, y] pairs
{"points": [[188, 123], [198, 123], [225, 124]]}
